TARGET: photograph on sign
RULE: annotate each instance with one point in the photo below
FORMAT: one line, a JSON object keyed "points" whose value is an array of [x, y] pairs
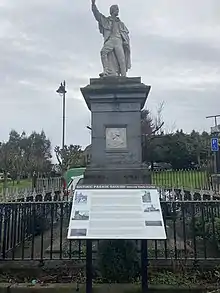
{"points": [[78, 232], [116, 214], [146, 197], [80, 198], [154, 223], [151, 209], [81, 215]]}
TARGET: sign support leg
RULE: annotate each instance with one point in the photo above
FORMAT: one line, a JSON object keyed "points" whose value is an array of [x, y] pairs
{"points": [[88, 266], [144, 266]]}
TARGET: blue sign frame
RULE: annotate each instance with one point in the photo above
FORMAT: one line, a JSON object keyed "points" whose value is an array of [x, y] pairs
{"points": [[214, 145]]}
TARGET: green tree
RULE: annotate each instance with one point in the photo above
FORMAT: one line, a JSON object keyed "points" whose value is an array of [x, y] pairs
{"points": [[22, 155], [37, 153], [199, 147], [18, 163], [180, 149], [33, 151], [6, 159]]}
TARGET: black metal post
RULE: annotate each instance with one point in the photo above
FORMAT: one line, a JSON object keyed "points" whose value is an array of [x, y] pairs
{"points": [[89, 266], [62, 91], [64, 113], [34, 180], [144, 266]]}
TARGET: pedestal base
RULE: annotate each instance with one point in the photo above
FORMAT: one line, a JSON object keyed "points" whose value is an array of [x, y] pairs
{"points": [[115, 104], [117, 176]]}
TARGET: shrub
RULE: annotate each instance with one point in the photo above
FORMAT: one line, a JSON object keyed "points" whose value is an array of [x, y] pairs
{"points": [[118, 261], [198, 229], [209, 229], [214, 234]]}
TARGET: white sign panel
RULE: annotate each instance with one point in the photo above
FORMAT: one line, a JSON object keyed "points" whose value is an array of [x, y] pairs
{"points": [[116, 214]]}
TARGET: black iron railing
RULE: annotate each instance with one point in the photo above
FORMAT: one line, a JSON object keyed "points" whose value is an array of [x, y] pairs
{"points": [[37, 230]]}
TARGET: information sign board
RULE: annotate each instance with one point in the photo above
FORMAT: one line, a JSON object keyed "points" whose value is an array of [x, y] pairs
{"points": [[108, 212]]}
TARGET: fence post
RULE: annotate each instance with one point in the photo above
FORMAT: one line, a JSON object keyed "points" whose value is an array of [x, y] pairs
{"points": [[88, 266], [144, 266]]}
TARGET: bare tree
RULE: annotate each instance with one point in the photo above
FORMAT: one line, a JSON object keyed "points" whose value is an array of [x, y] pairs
{"points": [[69, 157]]}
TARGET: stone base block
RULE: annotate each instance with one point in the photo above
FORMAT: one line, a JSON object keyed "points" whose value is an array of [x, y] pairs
{"points": [[117, 176]]}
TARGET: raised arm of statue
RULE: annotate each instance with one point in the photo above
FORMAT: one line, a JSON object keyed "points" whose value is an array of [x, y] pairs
{"points": [[98, 16]]}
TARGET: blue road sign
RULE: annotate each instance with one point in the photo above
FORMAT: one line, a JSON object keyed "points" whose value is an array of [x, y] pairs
{"points": [[214, 145]]}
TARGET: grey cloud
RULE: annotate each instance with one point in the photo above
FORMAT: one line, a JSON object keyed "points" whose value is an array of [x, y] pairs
{"points": [[42, 43], [174, 49]]}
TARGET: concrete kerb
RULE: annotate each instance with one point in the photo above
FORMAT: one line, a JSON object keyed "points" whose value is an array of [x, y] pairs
{"points": [[102, 288]]}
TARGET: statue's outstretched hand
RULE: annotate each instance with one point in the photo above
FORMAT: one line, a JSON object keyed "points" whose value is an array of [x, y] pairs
{"points": [[93, 2]]}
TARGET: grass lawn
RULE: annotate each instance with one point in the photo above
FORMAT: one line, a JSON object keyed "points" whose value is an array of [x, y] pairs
{"points": [[23, 184], [188, 179], [177, 179]]}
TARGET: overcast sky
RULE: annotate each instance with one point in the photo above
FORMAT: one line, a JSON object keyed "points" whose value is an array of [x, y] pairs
{"points": [[175, 49]]}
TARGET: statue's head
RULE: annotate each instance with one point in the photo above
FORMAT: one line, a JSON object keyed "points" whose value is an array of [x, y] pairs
{"points": [[114, 10]]}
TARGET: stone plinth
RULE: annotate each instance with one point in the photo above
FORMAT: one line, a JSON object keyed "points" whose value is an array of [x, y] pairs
{"points": [[116, 104], [117, 176]]}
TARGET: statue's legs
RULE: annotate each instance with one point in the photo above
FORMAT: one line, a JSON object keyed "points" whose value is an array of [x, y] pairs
{"points": [[107, 48], [116, 45], [120, 55]]}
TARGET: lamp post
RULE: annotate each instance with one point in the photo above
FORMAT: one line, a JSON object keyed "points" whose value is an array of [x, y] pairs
{"points": [[215, 117], [62, 91]]}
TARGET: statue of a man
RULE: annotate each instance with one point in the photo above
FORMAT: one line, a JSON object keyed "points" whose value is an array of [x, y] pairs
{"points": [[115, 54]]}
